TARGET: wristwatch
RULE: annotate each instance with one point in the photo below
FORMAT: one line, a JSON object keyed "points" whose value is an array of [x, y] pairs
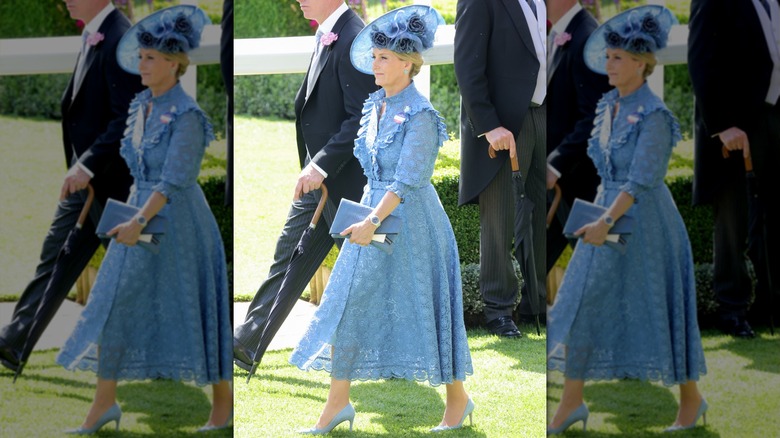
{"points": [[374, 219], [140, 220], [608, 220]]}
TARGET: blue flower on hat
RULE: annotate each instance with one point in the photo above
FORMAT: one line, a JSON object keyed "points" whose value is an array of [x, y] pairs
{"points": [[172, 30], [644, 29], [407, 29]]}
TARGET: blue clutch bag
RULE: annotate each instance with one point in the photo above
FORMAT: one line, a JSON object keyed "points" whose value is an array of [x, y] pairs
{"points": [[584, 212], [117, 212], [350, 212]]}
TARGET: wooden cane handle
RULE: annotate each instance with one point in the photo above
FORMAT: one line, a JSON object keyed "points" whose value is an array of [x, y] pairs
{"points": [[748, 159], [555, 203], [87, 205], [320, 206], [515, 164]]}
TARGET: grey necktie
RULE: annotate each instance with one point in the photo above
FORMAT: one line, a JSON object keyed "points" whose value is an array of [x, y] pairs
{"points": [[765, 4], [314, 62], [533, 7], [80, 63]]}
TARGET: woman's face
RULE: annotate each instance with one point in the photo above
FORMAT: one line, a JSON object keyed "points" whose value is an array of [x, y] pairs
{"points": [[389, 69], [155, 69], [623, 69]]}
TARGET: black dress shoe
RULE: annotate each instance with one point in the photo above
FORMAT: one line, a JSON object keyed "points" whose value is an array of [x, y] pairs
{"points": [[504, 326], [9, 359], [242, 356], [737, 327]]}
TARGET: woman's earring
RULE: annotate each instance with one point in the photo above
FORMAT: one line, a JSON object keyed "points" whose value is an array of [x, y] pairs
{"points": [[406, 71]]}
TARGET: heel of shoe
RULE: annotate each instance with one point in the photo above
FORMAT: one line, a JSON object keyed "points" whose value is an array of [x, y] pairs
{"points": [[585, 424], [704, 418], [117, 425], [350, 424], [471, 423]]}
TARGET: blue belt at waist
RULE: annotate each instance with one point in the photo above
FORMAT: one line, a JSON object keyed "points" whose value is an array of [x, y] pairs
{"points": [[377, 184]]}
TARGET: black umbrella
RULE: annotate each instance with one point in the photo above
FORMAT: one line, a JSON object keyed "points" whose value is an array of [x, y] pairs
{"points": [[524, 244], [284, 302], [754, 193], [52, 297]]}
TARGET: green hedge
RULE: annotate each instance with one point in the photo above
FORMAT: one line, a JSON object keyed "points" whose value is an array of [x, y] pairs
{"points": [[38, 96], [698, 220], [268, 95]]}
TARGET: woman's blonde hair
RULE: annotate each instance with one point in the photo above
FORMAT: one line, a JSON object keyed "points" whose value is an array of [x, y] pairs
{"points": [[650, 61], [415, 58], [182, 59]]}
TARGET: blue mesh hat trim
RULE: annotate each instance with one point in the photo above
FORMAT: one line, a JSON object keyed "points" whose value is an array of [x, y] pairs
{"points": [[404, 30], [171, 30], [644, 29]]}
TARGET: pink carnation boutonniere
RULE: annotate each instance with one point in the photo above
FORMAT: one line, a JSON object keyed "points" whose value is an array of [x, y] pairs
{"points": [[401, 117], [95, 38], [328, 39], [561, 39]]}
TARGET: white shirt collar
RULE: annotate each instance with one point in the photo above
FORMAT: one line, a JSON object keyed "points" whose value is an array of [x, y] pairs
{"points": [[560, 26], [329, 22], [94, 25]]}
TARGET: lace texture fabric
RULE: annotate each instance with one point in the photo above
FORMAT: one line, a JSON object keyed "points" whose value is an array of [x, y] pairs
{"points": [[163, 315], [395, 315], [633, 315]]}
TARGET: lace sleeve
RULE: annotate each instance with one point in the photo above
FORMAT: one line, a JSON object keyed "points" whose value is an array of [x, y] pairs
{"points": [[418, 153], [656, 138], [188, 141]]}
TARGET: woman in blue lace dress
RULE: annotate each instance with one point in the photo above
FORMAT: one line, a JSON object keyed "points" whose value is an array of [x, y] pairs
{"points": [[164, 315], [396, 315], [629, 315]]}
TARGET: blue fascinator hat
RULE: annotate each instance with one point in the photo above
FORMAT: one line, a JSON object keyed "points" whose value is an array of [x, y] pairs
{"points": [[404, 30], [644, 29], [171, 30]]}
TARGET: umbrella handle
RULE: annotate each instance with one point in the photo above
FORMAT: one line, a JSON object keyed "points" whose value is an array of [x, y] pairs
{"points": [[87, 206], [515, 164], [555, 203], [320, 207], [748, 159]]}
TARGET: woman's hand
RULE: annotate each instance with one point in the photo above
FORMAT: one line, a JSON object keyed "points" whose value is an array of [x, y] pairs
{"points": [[594, 233], [127, 233], [361, 232]]}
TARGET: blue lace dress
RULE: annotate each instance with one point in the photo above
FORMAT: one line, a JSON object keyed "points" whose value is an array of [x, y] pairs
{"points": [[164, 315], [633, 315], [396, 315]]}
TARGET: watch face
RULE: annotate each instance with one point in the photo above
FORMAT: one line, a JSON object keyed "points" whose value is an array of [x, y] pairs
{"points": [[608, 220], [374, 220], [141, 220]]}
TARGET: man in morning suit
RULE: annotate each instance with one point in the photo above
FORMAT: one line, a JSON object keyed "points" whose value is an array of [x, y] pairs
{"points": [[94, 113], [572, 93], [328, 108], [734, 62], [500, 65]]}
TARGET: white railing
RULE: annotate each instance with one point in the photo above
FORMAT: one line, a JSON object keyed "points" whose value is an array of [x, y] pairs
{"points": [[32, 56], [263, 56]]}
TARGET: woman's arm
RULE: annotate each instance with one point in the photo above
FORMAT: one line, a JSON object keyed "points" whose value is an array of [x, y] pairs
{"points": [[128, 232], [596, 232], [363, 231]]}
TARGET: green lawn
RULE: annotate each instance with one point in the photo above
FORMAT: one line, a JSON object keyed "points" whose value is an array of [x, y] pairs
{"points": [[31, 174], [740, 387], [48, 399], [508, 388]]}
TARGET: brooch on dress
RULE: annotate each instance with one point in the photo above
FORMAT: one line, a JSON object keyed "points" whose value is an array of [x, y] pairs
{"points": [[401, 117], [167, 117], [635, 117]]}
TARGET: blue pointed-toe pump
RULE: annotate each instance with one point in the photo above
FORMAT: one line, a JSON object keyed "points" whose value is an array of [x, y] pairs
{"points": [[346, 414], [579, 414], [701, 412], [466, 413], [210, 427], [112, 414]]}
